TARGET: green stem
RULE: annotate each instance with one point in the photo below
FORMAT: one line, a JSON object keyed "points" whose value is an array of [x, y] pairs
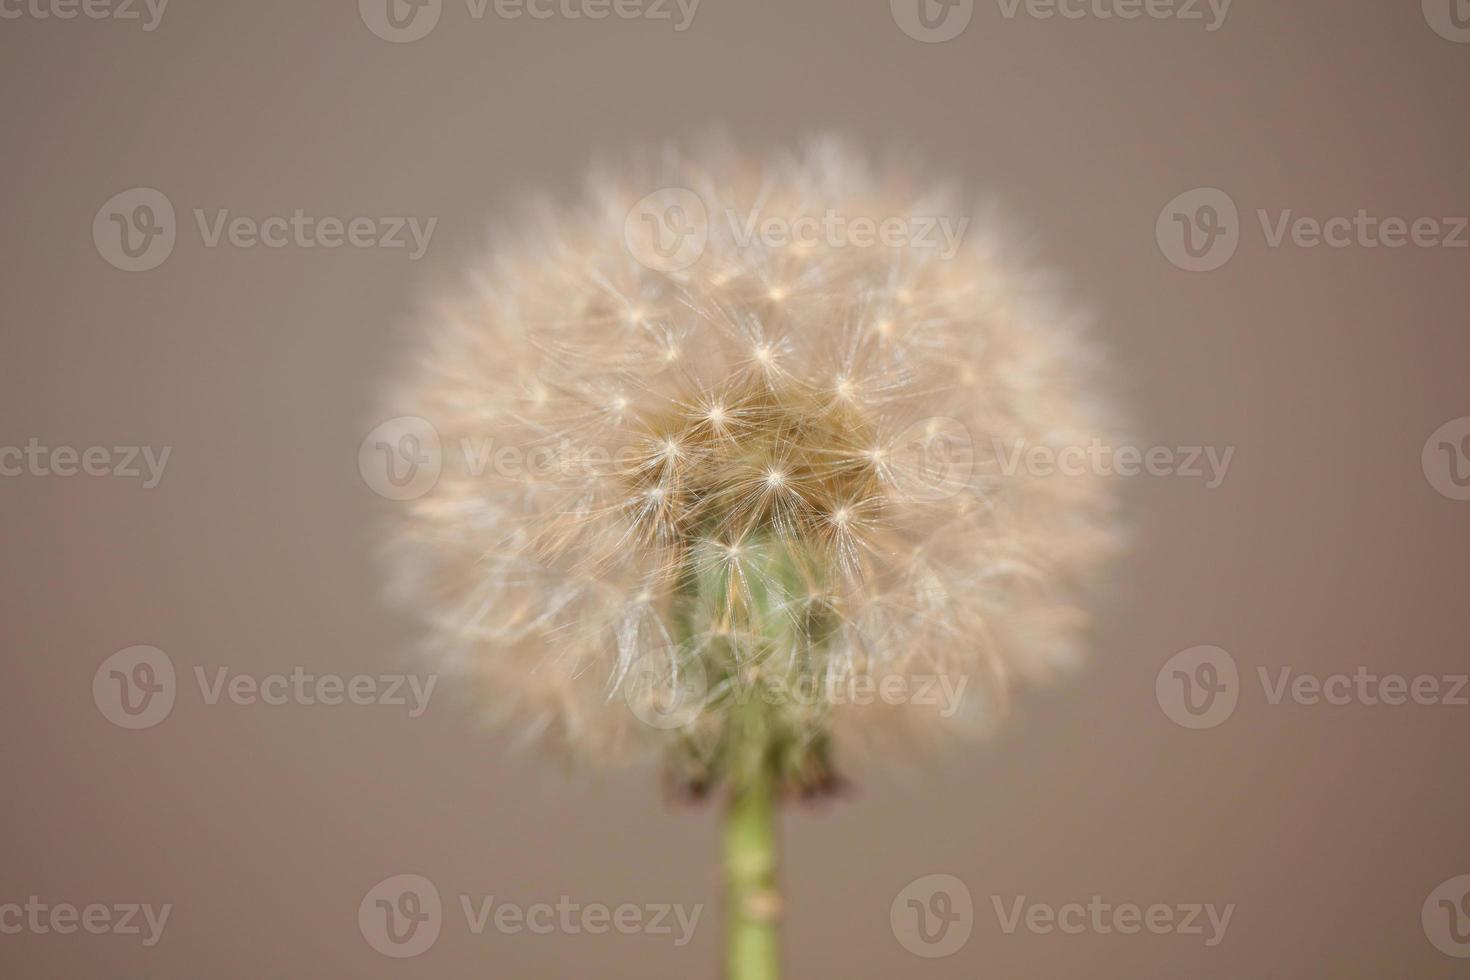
{"points": [[750, 869]]}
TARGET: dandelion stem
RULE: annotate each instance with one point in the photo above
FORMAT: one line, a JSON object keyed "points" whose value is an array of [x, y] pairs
{"points": [[750, 869]]}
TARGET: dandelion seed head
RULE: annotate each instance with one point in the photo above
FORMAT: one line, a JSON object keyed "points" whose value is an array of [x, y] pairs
{"points": [[788, 458]]}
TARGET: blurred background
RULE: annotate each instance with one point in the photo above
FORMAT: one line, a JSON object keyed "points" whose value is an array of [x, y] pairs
{"points": [[1334, 545]]}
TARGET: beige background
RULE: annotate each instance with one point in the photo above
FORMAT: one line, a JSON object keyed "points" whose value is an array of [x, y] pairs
{"points": [[1326, 548]]}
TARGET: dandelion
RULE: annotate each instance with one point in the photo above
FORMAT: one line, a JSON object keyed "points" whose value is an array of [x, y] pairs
{"points": [[770, 481]]}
